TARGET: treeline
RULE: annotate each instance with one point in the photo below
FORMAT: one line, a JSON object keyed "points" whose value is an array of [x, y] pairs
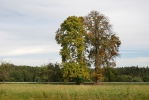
{"points": [[45, 73], [53, 73], [126, 74]]}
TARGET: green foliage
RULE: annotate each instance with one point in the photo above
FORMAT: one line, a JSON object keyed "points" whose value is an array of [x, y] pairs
{"points": [[44, 74], [137, 79], [57, 73], [76, 72], [124, 78], [14, 73], [23, 73], [146, 78], [71, 37], [93, 33], [4, 70], [128, 78], [49, 73], [16, 76], [110, 74]]}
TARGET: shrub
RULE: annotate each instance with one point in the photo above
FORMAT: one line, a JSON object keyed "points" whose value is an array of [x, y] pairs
{"points": [[137, 79], [146, 78], [124, 78]]}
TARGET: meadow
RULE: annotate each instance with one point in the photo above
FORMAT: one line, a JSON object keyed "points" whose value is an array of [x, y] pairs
{"points": [[74, 92]]}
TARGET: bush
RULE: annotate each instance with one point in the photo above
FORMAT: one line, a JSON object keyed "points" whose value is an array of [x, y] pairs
{"points": [[110, 74], [137, 79], [124, 78], [146, 78]]}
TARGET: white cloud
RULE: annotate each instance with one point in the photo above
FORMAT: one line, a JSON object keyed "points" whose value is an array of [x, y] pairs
{"points": [[30, 50]]}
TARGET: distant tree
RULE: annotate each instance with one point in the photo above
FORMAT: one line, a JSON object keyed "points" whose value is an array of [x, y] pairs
{"points": [[146, 78], [49, 73], [16, 75], [137, 79], [57, 73], [124, 78], [44, 74], [4, 70], [27, 75], [71, 37], [110, 74], [34, 73], [101, 42]]}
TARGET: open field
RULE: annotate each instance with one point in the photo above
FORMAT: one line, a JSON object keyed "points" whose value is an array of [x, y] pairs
{"points": [[74, 92]]}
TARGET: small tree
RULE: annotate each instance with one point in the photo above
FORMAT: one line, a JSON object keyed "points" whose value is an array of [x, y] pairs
{"points": [[4, 71], [110, 74], [45, 73], [146, 78], [71, 38], [101, 42], [57, 75]]}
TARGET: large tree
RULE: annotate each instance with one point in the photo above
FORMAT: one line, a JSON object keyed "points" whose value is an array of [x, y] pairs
{"points": [[101, 42], [71, 37]]}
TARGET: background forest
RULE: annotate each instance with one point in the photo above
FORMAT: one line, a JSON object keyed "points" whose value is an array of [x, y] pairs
{"points": [[53, 73]]}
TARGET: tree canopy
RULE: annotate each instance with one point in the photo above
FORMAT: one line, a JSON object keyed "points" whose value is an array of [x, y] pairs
{"points": [[4, 70], [101, 42], [87, 40], [71, 37], [53, 73]]}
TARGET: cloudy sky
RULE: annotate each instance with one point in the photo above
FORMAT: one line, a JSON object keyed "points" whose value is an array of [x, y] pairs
{"points": [[27, 28]]}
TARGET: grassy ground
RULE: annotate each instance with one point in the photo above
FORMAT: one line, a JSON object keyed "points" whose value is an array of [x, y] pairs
{"points": [[73, 92]]}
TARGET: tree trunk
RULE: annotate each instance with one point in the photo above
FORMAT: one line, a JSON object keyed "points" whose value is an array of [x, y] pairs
{"points": [[97, 81], [97, 67], [3, 80]]}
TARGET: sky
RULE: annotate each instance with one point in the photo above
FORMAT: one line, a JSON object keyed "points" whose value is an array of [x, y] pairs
{"points": [[27, 29]]}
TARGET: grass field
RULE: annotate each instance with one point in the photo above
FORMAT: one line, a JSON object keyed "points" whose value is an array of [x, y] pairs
{"points": [[73, 92]]}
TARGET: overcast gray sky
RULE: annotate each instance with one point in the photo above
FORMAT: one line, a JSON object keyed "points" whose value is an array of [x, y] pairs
{"points": [[27, 28]]}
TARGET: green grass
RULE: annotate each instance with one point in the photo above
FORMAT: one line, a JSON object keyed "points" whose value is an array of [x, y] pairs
{"points": [[73, 92]]}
